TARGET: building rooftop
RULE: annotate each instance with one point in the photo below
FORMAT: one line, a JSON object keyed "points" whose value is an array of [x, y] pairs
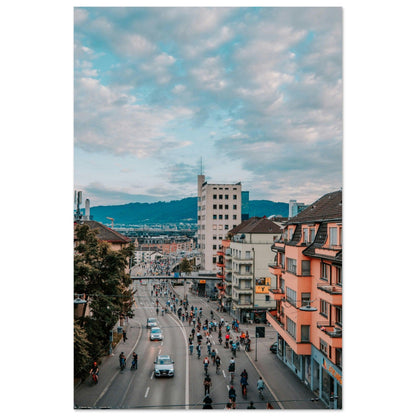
{"points": [[256, 225], [326, 208], [107, 234]]}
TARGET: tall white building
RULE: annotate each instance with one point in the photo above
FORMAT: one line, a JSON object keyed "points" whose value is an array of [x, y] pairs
{"points": [[219, 211]]}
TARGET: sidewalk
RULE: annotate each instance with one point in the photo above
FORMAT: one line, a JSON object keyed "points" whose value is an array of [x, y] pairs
{"points": [[286, 388]]}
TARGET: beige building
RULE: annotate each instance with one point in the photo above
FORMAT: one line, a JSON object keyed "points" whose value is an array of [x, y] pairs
{"points": [[245, 263], [219, 211]]}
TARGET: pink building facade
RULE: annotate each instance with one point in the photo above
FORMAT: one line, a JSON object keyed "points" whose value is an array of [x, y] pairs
{"points": [[308, 317]]}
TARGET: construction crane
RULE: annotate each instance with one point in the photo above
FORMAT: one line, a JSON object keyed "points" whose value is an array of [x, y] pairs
{"points": [[112, 221]]}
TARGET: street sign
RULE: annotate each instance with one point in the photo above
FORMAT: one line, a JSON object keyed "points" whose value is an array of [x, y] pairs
{"points": [[260, 331]]}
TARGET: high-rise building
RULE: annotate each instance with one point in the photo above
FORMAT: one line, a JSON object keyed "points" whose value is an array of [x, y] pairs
{"points": [[219, 210], [295, 208]]}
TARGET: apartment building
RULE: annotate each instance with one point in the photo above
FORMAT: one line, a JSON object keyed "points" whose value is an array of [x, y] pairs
{"points": [[219, 211], [308, 315], [243, 261]]}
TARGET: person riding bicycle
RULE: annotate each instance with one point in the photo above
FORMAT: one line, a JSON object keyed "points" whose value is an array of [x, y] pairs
{"points": [[232, 395], [207, 384], [260, 385], [244, 384], [206, 363], [134, 362], [122, 359], [231, 368], [244, 374], [217, 361], [198, 350], [94, 370], [233, 347]]}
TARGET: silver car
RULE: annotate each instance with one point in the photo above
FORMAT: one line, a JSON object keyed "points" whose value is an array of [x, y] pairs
{"points": [[164, 366], [151, 323], [156, 334]]}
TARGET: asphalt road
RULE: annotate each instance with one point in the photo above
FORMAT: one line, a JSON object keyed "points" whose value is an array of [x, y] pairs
{"points": [[140, 389]]}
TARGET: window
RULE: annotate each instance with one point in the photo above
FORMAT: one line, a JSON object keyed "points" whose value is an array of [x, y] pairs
{"points": [[267, 299], [306, 268], [306, 299], [291, 265], [220, 196], [220, 217], [226, 217], [325, 271], [234, 217], [226, 196], [312, 234], [220, 206], [214, 196], [225, 206], [234, 206], [304, 333], [323, 347], [333, 236], [214, 217], [226, 226], [248, 254], [291, 296], [324, 308], [291, 328], [234, 196], [338, 276], [214, 247], [214, 206], [305, 235], [338, 315], [214, 260]]}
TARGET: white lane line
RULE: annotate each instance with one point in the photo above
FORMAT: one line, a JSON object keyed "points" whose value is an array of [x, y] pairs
{"points": [[223, 371], [151, 376], [147, 392], [186, 362]]}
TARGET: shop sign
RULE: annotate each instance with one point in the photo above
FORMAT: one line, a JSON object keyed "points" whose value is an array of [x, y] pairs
{"points": [[202, 282], [331, 370], [263, 285]]}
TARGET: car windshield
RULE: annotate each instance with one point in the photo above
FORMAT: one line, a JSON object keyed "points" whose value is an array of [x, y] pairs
{"points": [[151, 320], [155, 330], [164, 360]]}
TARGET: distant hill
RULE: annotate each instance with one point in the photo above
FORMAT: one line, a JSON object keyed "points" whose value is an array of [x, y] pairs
{"points": [[174, 212]]}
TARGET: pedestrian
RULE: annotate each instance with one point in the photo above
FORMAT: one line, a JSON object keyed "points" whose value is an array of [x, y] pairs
{"points": [[124, 336], [207, 384], [207, 402]]}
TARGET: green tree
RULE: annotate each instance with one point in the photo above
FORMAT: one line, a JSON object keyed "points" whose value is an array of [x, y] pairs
{"points": [[100, 274], [185, 266], [82, 359]]}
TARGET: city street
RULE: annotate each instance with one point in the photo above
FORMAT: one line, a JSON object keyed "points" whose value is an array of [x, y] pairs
{"points": [[140, 389]]}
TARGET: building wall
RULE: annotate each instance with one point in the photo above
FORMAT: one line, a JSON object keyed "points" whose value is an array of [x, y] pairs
{"points": [[219, 210]]}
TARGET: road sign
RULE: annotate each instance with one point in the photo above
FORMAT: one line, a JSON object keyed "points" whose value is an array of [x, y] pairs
{"points": [[260, 331]]}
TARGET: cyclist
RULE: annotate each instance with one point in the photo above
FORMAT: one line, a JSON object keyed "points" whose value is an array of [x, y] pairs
{"points": [[244, 384], [207, 384], [206, 363], [233, 348], [213, 354], [244, 374], [232, 395], [94, 372], [198, 350], [217, 363], [134, 361], [207, 402], [122, 359], [231, 369], [260, 386]]}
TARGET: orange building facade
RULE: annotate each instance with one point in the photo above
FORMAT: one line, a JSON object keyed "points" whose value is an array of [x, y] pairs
{"points": [[308, 317]]}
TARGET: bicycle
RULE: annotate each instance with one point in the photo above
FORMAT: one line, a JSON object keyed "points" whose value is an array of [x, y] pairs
{"points": [[261, 396], [206, 369], [244, 391], [218, 369]]}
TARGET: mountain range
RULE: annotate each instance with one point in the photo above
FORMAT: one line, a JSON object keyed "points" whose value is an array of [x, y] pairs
{"points": [[174, 212]]}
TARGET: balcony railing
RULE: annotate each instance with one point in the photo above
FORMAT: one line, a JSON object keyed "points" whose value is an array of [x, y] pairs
{"points": [[331, 289], [330, 329]]}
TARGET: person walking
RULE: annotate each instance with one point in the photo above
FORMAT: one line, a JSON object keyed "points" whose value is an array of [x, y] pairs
{"points": [[124, 336], [207, 384]]}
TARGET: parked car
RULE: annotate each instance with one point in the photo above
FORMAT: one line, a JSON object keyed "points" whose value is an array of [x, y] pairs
{"points": [[164, 366], [151, 323], [273, 348], [156, 334]]}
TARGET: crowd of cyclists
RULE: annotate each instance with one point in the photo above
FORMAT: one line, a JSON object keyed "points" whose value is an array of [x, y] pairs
{"points": [[200, 337]]}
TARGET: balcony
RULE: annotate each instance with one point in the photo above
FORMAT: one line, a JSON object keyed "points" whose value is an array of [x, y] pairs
{"points": [[220, 252], [220, 275], [220, 264], [331, 334], [332, 293], [277, 294], [243, 291], [276, 269], [244, 275]]}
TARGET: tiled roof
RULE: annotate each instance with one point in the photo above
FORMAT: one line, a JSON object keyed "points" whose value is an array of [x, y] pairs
{"points": [[326, 208], [107, 234], [256, 225]]}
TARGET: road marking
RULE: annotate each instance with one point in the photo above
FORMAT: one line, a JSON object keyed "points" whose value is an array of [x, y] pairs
{"points": [[147, 392], [223, 372], [151, 376]]}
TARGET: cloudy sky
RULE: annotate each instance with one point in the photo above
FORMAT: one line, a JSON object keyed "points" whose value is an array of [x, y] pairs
{"points": [[256, 93]]}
